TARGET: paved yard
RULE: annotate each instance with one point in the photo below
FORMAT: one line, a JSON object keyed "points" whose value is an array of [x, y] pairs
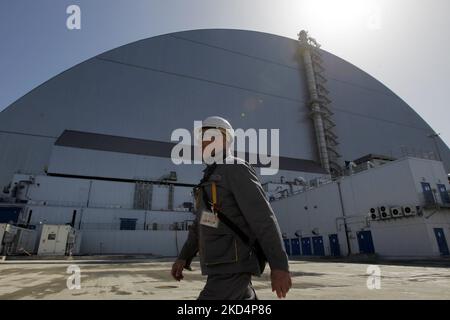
{"points": [[150, 279]]}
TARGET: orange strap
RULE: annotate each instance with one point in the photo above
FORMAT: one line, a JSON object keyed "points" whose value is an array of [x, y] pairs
{"points": [[214, 194]]}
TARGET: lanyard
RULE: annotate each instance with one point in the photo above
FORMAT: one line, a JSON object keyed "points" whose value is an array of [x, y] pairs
{"points": [[214, 195]]}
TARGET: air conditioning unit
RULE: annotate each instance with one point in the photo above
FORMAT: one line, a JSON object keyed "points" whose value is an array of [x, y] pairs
{"points": [[396, 212], [384, 213], [374, 214], [409, 211]]}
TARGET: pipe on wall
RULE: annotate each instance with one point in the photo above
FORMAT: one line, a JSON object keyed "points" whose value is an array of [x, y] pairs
{"points": [[316, 111]]}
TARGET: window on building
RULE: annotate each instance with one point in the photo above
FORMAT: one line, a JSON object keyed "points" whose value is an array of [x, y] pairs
{"points": [[127, 224]]}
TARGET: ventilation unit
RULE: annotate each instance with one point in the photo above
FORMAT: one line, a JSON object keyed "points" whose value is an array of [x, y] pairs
{"points": [[314, 183], [396, 212], [374, 214], [384, 213], [409, 211]]}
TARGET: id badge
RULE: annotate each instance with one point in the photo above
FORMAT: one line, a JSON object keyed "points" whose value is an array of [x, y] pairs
{"points": [[209, 219]]}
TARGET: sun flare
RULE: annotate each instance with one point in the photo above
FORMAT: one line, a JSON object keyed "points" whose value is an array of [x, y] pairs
{"points": [[346, 13]]}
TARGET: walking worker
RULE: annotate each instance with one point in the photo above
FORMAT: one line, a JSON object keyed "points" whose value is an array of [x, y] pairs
{"points": [[235, 231]]}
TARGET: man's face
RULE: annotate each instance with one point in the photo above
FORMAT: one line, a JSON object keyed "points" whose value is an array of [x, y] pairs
{"points": [[213, 139]]}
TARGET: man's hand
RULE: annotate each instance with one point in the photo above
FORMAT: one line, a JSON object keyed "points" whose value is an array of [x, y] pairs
{"points": [[177, 269], [281, 282]]}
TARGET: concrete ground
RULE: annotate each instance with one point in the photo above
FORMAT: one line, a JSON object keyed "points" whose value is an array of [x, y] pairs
{"points": [[150, 279]]}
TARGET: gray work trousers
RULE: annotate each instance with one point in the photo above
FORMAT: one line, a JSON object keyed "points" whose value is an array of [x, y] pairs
{"points": [[233, 286]]}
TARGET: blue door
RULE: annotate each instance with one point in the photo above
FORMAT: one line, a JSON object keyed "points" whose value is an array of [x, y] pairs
{"points": [[295, 246], [318, 247], [335, 249], [306, 246], [365, 242], [287, 246], [442, 242], [444, 194], [428, 193]]}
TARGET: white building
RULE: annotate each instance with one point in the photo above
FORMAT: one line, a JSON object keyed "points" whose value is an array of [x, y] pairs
{"points": [[107, 214], [347, 215]]}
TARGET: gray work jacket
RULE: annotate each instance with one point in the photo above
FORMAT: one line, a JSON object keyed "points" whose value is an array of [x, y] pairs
{"points": [[243, 200]]}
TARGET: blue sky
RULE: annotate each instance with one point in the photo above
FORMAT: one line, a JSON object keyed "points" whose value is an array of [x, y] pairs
{"points": [[402, 43]]}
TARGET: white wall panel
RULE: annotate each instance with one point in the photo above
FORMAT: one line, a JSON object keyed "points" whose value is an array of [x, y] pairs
{"points": [[161, 243]]}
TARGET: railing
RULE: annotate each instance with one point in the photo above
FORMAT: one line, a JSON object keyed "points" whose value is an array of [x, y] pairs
{"points": [[52, 203], [98, 205], [434, 200], [79, 204], [179, 226], [285, 193]]}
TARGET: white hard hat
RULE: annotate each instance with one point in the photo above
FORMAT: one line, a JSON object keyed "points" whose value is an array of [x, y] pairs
{"points": [[219, 123]]}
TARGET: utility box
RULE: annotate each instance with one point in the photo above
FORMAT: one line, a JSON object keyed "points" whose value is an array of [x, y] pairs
{"points": [[16, 240], [57, 240]]}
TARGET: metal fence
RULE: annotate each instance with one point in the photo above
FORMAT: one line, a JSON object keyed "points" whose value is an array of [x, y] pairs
{"points": [[434, 200], [98, 205], [179, 226]]}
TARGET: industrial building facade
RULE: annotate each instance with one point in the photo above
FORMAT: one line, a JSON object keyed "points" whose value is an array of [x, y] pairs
{"points": [[400, 209], [91, 146]]}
